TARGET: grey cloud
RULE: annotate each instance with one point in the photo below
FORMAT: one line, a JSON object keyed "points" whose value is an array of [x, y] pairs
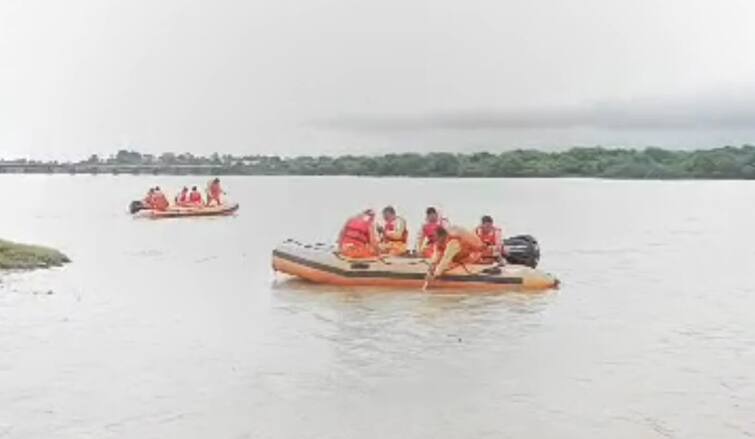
{"points": [[663, 114]]}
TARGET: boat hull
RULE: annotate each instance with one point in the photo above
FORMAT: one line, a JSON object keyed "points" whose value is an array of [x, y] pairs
{"points": [[320, 264], [190, 212]]}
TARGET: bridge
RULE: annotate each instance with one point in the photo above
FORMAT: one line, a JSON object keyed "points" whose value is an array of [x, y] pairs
{"points": [[111, 168]]}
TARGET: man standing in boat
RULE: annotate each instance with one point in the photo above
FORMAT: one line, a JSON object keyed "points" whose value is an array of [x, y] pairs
{"points": [[358, 237], [393, 233], [214, 191]]}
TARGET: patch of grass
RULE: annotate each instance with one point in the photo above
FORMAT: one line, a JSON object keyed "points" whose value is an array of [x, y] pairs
{"points": [[26, 257]]}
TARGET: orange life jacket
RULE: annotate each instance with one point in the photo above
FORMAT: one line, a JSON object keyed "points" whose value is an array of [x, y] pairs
{"points": [[195, 197], [488, 237], [215, 190], [159, 201], [430, 231], [391, 227], [357, 231], [471, 245]]}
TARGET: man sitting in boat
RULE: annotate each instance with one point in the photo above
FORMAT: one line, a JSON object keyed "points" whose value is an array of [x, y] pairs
{"points": [[492, 237], [393, 233], [182, 199], [454, 246], [195, 197], [148, 201], [214, 191], [358, 238], [159, 200], [426, 238]]}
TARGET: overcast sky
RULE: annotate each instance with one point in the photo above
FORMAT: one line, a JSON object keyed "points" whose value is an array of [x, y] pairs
{"points": [[346, 76]]}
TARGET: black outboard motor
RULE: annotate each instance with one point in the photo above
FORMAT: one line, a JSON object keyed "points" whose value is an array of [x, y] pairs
{"points": [[521, 250], [136, 206]]}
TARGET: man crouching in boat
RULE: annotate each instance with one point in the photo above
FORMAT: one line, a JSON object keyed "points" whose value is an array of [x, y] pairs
{"points": [[195, 197], [159, 200], [182, 199], [148, 200], [393, 233], [427, 233], [492, 237], [454, 246], [358, 238]]}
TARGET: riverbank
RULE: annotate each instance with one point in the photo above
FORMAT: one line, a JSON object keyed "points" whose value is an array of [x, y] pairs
{"points": [[731, 163], [15, 256]]}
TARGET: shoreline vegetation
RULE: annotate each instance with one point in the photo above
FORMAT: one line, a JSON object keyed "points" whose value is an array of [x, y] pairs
{"points": [[727, 162], [15, 256]]}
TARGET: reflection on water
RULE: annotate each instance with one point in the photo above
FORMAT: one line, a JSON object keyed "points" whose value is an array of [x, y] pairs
{"points": [[180, 329]]}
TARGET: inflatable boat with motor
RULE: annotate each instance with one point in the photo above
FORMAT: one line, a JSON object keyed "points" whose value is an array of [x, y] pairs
{"points": [[138, 209], [319, 263]]}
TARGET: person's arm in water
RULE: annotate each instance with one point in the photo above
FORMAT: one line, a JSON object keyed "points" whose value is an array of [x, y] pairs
{"points": [[444, 261]]}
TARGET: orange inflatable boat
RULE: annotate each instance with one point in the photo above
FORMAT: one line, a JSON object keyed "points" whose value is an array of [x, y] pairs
{"points": [[181, 212], [320, 264]]}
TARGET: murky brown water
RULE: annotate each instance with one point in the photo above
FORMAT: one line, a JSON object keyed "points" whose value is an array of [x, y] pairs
{"points": [[178, 328]]}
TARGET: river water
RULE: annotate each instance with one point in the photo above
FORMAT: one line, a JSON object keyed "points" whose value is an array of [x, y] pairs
{"points": [[178, 328]]}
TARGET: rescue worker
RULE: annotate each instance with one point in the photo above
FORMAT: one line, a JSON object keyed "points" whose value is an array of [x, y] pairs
{"points": [[182, 199], [214, 191], [195, 197], [148, 199], [159, 200], [358, 238], [393, 233], [492, 237], [454, 246], [426, 238]]}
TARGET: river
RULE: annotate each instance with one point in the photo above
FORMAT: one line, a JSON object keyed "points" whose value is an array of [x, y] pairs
{"points": [[179, 328]]}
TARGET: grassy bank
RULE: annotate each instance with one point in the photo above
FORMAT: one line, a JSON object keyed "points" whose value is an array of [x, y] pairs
{"points": [[25, 257]]}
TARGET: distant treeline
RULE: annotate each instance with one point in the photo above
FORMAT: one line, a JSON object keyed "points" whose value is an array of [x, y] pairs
{"points": [[649, 163]]}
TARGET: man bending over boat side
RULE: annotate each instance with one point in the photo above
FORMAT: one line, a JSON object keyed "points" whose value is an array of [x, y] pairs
{"points": [[454, 246], [358, 237]]}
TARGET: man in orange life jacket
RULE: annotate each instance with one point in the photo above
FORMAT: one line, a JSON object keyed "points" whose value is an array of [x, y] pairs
{"points": [[426, 238], [393, 233], [492, 237], [454, 246], [195, 197], [214, 191], [159, 200], [182, 199], [358, 238], [148, 199]]}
